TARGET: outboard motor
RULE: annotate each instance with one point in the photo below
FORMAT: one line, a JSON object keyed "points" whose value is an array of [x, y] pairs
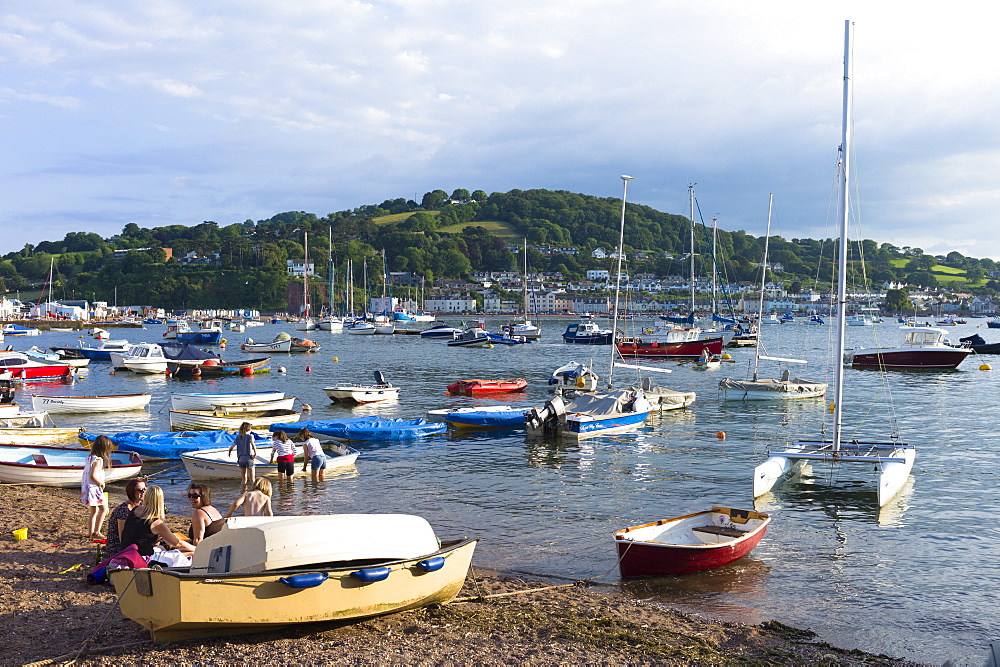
{"points": [[380, 379], [545, 420], [7, 390]]}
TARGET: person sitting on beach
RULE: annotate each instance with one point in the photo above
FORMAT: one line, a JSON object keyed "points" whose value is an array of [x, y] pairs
{"points": [[246, 452], [205, 519], [284, 450], [314, 455], [92, 485], [134, 491], [256, 502], [146, 526]]}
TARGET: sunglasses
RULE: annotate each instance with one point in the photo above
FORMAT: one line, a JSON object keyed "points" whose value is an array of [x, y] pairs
{"points": [[194, 495], [140, 490]]}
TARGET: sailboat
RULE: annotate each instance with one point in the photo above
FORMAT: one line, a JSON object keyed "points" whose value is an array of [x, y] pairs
{"points": [[891, 461], [305, 322], [756, 389], [330, 322], [524, 329]]}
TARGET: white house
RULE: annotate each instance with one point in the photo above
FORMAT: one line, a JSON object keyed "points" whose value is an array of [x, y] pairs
{"points": [[452, 304], [297, 268], [598, 274]]}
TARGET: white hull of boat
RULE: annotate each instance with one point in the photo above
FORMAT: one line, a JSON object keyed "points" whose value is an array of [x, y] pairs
{"points": [[209, 401], [144, 366], [90, 404], [220, 464], [274, 346], [365, 329], [204, 420], [361, 394], [305, 324]]}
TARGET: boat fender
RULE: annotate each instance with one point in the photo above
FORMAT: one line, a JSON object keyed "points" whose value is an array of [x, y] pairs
{"points": [[371, 574], [581, 382], [310, 580], [431, 564]]}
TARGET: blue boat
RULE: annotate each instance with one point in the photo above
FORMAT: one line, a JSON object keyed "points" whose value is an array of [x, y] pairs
{"points": [[209, 333], [496, 417], [364, 428], [505, 339], [587, 333], [172, 444]]}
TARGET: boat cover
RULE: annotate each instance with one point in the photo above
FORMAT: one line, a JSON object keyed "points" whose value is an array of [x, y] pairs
{"points": [[617, 401], [509, 418], [777, 386], [365, 428], [170, 445], [185, 352], [664, 397]]}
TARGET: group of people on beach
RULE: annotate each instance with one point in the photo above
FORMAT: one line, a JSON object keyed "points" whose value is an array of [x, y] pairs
{"points": [[141, 518]]}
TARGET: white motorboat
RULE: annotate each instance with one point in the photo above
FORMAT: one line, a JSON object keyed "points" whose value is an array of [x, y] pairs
{"points": [[208, 401], [220, 463], [147, 358], [472, 337], [90, 404], [613, 411], [330, 323], [360, 328], [441, 331], [920, 348], [52, 357], [385, 328], [356, 393]]}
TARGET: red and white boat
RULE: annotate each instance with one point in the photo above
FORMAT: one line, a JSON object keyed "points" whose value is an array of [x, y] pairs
{"points": [[691, 543], [22, 367], [672, 343], [480, 387], [921, 348]]}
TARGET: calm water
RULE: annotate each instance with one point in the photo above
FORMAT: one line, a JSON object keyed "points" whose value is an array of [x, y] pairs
{"points": [[911, 580]]}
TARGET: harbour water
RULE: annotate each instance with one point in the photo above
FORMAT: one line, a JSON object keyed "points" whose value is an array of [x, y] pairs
{"points": [[916, 579]]}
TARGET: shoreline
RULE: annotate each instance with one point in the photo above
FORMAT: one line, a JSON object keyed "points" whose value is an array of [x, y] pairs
{"points": [[50, 613]]}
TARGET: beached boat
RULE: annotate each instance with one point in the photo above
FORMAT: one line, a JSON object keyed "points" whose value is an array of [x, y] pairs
{"points": [[33, 436], [215, 420], [169, 445], [364, 428], [220, 463], [691, 543], [81, 404], [587, 415], [490, 417], [481, 387], [259, 573], [206, 401], [21, 367], [356, 393], [59, 466], [923, 348], [218, 367]]}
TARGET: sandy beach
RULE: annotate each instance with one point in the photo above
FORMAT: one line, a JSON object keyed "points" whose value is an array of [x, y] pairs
{"points": [[51, 614]]}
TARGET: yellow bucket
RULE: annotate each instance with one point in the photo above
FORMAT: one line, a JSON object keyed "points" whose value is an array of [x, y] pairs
{"points": [[20, 534]]}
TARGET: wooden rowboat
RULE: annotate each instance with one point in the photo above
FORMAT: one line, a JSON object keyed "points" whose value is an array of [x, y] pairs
{"points": [[259, 573], [208, 420], [39, 436], [59, 466], [691, 543], [80, 404], [200, 401]]}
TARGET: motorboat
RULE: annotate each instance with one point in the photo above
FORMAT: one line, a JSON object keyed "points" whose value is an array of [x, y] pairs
{"points": [[523, 329], [20, 366], [364, 428], [220, 463], [478, 387], [356, 393], [90, 404], [175, 328], [360, 328], [472, 337], [441, 331], [587, 332], [209, 332], [261, 573], [613, 411], [100, 352], [209, 401], [54, 358], [573, 378], [675, 343], [276, 345], [18, 330], [978, 344], [59, 466], [920, 348], [145, 358], [691, 543], [214, 420]]}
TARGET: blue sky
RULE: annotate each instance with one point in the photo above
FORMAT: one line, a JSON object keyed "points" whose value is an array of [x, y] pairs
{"points": [[179, 112]]}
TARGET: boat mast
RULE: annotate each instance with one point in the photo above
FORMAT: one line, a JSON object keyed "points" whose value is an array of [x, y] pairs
{"points": [[305, 277], [714, 264], [526, 321], [845, 169], [763, 282], [618, 282], [691, 202], [330, 270]]}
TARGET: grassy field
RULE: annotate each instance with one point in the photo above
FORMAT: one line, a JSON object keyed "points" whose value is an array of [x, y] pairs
{"points": [[497, 227], [398, 217], [944, 274]]}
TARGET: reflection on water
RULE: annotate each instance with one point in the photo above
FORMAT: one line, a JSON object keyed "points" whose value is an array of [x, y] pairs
{"points": [[831, 560]]}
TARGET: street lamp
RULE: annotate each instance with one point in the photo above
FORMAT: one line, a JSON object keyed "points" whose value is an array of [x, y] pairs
{"points": [[618, 280]]}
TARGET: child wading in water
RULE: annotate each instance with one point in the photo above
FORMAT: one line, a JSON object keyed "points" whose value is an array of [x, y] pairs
{"points": [[92, 487], [256, 502], [246, 452]]}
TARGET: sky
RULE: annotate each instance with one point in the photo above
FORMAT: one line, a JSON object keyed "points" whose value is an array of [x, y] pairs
{"points": [[178, 112]]}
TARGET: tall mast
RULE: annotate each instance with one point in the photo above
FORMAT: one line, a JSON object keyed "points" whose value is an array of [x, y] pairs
{"points": [[618, 282], [714, 263], [330, 270], [845, 188], [305, 278], [763, 282], [691, 202], [525, 281]]}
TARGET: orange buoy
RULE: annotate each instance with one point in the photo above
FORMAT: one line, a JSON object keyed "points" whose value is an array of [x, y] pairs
{"points": [[112, 372], [721, 435], [336, 359], [247, 371]]}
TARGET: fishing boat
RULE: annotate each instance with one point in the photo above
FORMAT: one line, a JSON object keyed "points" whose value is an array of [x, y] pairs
{"points": [[21, 367], [218, 367], [209, 332], [891, 461], [59, 466], [925, 348], [260, 573], [172, 444], [209, 401], [691, 543], [276, 345], [356, 393], [441, 331], [221, 464], [175, 328], [572, 378], [303, 345], [481, 387], [503, 416], [99, 352], [215, 420], [472, 337], [756, 388], [613, 411], [141, 358], [675, 343], [364, 428], [90, 404], [586, 332]]}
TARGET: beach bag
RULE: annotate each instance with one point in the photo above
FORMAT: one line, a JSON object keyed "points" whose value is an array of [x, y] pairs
{"points": [[128, 558], [171, 558]]}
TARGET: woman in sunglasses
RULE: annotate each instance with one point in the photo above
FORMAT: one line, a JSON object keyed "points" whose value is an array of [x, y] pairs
{"points": [[134, 491], [205, 519], [146, 525]]}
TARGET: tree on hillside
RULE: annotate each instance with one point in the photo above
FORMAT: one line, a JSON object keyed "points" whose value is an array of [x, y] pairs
{"points": [[434, 200], [461, 194], [897, 301]]}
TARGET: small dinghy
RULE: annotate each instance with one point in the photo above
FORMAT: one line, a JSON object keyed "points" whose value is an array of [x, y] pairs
{"points": [[357, 393], [220, 463], [90, 404], [691, 543], [59, 466], [480, 387], [212, 420]]}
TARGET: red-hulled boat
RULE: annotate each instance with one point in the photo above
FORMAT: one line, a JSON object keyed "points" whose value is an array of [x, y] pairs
{"points": [[691, 543], [686, 343], [921, 348], [479, 387], [22, 367]]}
